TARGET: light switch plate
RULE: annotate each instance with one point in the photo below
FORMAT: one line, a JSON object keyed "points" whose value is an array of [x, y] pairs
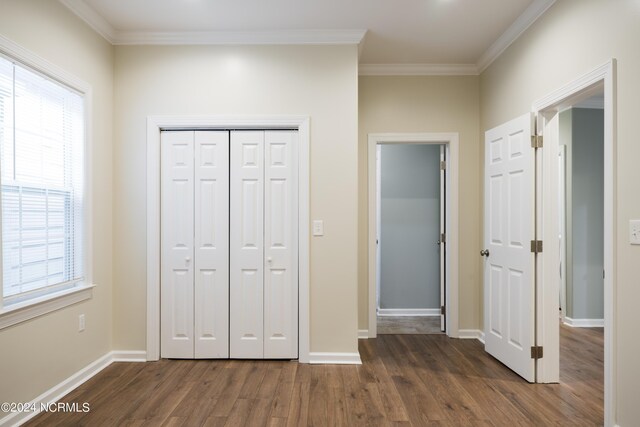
{"points": [[318, 227], [634, 232]]}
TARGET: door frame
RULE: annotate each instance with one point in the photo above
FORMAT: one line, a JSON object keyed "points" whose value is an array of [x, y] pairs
{"points": [[450, 140], [157, 123], [547, 109]]}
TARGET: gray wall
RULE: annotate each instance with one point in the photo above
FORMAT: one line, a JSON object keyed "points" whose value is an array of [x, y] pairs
{"points": [[585, 217], [410, 226]]}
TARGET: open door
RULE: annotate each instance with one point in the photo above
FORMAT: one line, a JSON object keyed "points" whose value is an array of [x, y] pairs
{"points": [[443, 240], [509, 288]]}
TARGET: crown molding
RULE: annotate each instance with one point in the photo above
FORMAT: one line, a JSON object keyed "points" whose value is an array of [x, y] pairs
{"points": [[288, 37], [418, 70], [92, 18], [519, 26]]}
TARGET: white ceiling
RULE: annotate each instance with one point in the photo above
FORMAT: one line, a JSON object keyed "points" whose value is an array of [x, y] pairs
{"points": [[398, 31]]}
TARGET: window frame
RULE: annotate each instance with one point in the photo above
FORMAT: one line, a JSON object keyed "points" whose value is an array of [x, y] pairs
{"points": [[33, 307]]}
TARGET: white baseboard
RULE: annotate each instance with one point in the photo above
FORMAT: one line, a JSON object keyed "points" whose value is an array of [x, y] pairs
{"points": [[471, 334], [363, 334], [408, 312], [335, 358], [66, 386], [584, 323], [129, 356]]}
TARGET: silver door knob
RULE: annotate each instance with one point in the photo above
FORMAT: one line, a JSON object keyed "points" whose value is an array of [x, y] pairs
{"points": [[484, 252], [269, 259], [187, 259]]}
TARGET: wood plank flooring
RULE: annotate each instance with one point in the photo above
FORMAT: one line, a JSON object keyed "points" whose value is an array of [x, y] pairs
{"points": [[405, 380], [408, 325]]}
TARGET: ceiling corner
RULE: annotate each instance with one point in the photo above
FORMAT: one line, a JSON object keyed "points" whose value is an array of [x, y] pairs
{"points": [[92, 18], [519, 26]]}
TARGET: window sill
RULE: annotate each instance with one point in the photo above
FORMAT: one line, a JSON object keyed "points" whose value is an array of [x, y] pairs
{"points": [[24, 311]]}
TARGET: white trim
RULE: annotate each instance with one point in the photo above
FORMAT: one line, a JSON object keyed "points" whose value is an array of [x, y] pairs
{"points": [[471, 334], [43, 66], [363, 334], [548, 108], [418, 70], [322, 358], [128, 356], [69, 384], [280, 37], [408, 312], [92, 18], [451, 141], [154, 125], [584, 323], [46, 304], [535, 10]]}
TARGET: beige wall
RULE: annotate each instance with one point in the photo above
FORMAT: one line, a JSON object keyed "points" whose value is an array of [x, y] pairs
{"points": [[426, 104], [571, 39], [40, 353], [319, 81]]}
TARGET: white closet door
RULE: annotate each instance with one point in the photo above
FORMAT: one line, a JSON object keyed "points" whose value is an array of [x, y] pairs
{"points": [[280, 246], [247, 245], [211, 303], [177, 245]]}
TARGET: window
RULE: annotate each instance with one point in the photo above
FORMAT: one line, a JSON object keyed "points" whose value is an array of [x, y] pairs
{"points": [[42, 186]]}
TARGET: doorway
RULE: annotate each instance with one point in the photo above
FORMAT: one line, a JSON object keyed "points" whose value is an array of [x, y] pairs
{"points": [[541, 299], [410, 237], [445, 243]]}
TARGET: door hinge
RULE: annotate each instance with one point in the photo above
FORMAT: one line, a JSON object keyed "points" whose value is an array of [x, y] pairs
{"points": [[442, 310], [536, 246], [443, 165], [536, 141], [443, 238], [536, 352]]}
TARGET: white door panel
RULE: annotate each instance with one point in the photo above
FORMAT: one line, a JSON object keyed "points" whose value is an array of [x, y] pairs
{"points": [[280, 246], [211, 244], [177, 245], [247, 245], [509, 228]]}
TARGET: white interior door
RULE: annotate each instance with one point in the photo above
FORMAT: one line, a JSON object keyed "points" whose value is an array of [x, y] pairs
{"points": [[508, 230], [177, 231], [247, 245], [280, 245], [211, 297], [443, 241]]}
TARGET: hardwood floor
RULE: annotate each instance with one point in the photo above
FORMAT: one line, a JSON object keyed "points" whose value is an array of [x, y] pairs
{"points": [[405, 380], [408, 325]]}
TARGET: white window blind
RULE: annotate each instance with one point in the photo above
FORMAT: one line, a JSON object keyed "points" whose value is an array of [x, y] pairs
{"points": [[41, 173]]}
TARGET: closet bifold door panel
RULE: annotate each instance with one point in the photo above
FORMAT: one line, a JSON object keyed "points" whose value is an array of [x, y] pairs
{"points": [[194, 244], [211, 299], [247, 245], [280, 245], [264, 252]]}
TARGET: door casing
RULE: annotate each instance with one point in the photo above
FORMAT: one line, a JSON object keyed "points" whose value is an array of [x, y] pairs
{"points": [[547, 110], [157, 123], [450, 140]]}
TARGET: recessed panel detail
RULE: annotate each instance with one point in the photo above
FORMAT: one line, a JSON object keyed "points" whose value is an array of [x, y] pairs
{"points": [[207, 304], [495, 277], [515, 288]]}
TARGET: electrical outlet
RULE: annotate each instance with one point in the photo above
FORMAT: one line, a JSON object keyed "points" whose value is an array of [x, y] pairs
{"points": [[634, 232], [81, 323]]}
